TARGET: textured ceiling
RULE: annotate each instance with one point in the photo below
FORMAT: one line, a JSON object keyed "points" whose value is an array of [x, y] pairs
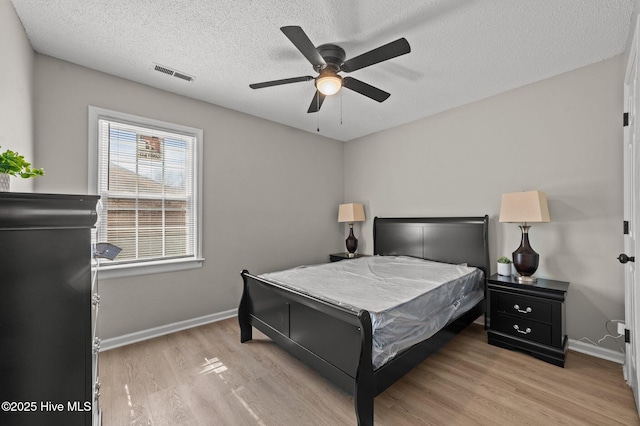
{"points": [[461, 50]]}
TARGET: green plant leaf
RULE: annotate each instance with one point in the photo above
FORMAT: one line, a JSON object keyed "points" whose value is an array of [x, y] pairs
{"points": [[14, 164]]}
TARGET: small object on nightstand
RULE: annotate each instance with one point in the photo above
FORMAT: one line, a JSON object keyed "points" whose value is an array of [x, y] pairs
{"points": [[336, 257], [528, 317], [504, 266]]}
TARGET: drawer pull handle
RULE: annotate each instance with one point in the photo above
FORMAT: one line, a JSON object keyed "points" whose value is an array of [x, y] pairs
{"points": [[526, 311], [526, 331]]}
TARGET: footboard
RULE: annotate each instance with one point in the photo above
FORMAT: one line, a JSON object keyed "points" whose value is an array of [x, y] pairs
{"points": [[334, 341]]}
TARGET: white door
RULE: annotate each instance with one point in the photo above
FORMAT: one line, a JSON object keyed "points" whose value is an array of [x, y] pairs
{"points": [[632, 214]]}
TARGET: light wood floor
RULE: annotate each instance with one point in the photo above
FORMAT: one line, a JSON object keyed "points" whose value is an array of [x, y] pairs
{"points": [[205, 376]]}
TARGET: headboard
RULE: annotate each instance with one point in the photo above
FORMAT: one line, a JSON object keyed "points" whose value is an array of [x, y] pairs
{"points": [[443, 239]]}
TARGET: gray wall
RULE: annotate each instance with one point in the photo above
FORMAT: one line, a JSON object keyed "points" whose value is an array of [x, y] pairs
{"points": [[16, 91], [271, 193], [562, 135]]}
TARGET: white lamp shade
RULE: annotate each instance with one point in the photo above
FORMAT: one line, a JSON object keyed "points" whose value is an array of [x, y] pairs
{"points": [[352, 212], [524, 207], [329, 84]]}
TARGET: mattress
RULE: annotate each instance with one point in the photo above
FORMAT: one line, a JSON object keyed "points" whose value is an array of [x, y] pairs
{"points": [[409, 299]]}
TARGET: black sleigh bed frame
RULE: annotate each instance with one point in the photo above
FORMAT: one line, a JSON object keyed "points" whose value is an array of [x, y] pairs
{"points": [[336, 341]]}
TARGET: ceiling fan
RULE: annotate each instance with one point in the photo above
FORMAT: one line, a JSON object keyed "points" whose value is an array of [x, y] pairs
{"points": [[329, 59]]}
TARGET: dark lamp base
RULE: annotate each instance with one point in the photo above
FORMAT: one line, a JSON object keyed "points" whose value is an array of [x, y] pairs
{"points": [[525, 259], [352, 242]]}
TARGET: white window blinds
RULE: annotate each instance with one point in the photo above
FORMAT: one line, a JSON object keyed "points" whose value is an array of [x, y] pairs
{"points": [[147, 184]]}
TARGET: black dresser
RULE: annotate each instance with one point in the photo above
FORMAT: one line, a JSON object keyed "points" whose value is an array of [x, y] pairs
{"points": [[46, 309]]}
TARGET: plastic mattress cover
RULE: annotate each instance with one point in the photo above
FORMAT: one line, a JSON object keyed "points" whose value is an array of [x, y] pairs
{"points": [[409, 299]]}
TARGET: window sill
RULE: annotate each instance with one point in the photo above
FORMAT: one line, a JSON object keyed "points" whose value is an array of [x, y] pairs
{"points": [[108, 272]]}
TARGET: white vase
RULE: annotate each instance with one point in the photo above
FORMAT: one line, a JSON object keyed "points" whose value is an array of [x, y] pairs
{"points": [[4, 182], [504, 269]]}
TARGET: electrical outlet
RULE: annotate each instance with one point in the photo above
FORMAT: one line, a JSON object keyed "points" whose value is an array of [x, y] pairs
{"points": [[621, 327]]}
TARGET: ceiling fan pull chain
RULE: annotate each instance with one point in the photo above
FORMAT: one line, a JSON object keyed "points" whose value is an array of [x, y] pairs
{"points": [[318, 117], [341, 107]]}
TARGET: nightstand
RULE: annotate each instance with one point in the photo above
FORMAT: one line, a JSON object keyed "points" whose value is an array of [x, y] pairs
{"points": [[528, 317], [335, 257]]}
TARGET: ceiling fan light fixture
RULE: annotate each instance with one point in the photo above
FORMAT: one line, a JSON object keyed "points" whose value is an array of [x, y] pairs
{"points": [[329, 84]]}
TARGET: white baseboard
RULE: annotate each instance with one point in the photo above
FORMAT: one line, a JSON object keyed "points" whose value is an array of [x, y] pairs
{"points": [[138, 336], [596, 351]]}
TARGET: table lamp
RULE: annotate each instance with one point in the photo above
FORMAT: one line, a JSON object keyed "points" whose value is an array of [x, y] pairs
{"points": [[351, 213], [525, 208]]}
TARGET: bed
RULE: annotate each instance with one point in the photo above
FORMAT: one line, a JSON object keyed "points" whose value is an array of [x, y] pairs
{"points": [[337, 339]]}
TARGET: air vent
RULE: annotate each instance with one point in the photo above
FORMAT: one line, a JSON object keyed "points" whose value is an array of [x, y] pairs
{"points": [[163, 69], [182, 76], [169, 71]]}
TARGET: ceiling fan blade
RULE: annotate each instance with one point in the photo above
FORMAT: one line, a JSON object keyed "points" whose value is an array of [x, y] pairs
{"points": [[365, 89], [382, 53], [279, 82], [316, 103], [304, 45]]}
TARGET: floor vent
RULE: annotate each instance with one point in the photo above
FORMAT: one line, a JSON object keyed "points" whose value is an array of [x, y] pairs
{"points": [[169, 71]]}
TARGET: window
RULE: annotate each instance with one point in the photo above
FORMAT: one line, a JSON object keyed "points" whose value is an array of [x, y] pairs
{"points": [[148, 176]]}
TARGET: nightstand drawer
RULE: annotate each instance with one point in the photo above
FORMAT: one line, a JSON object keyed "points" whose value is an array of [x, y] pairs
{"points": [[523, 307], [524, 329]]}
